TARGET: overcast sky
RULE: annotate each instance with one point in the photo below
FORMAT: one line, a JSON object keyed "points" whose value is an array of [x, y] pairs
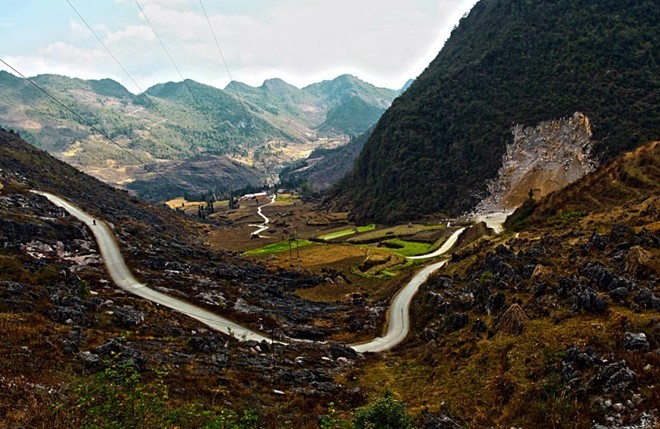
{"points": [[384, 42]]}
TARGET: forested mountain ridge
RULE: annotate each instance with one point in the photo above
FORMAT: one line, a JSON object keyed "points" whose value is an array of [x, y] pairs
{"points": [[509, 62], [171, 122], [345, 104]]}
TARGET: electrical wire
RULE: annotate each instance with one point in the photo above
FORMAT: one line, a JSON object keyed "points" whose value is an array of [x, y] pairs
{"points": [[108, 50], [185, 82], [140, 90], [231, 79], [232, 83]]}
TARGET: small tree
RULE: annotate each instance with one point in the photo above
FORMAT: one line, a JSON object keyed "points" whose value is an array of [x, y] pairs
{"points": [[307, 193], [385, 413]]}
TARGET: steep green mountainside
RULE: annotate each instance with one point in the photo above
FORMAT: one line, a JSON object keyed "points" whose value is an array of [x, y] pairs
{"points": [[104, 87], [509, 62], [212, 115], [49, 126], [211, 122], [337, 91], [353, 115], [280, 98]]}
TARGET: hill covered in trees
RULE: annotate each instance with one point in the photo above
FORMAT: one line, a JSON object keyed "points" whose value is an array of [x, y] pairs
{"points": [[170, 122], [509, 62]]}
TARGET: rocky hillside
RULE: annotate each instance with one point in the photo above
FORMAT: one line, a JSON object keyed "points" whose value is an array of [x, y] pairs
{"points": [[509, 62], [199, 175], [556, 325], [70, 338], [628, 180], [541, 160]]}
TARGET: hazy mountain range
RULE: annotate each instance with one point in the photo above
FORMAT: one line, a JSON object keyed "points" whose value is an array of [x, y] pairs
{"points": [[260, 128]]}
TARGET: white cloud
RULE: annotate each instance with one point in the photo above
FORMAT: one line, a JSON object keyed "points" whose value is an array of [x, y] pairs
{"points": [[130, 34], [72, 55], [64, 59], [384, 42], [79, 31], [302, 38]]}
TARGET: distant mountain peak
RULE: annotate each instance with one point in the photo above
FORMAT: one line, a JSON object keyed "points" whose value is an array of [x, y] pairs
{"points": [[277, 84], [348, 77], [210, 121], [236, 84]]}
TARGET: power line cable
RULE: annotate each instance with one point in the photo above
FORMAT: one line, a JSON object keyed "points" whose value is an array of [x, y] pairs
{"points": [[231, 79], [175, 66], [141, 91], [113, 56], [147, 97], [232, 83], [90, 125]]}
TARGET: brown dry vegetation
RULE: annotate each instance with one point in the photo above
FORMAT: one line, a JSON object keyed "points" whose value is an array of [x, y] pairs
{"points": [[53, 311], [454, 363], [485, 379]]}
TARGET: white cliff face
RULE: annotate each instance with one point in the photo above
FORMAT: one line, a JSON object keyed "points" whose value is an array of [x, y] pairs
{"points": [[541, 159]]}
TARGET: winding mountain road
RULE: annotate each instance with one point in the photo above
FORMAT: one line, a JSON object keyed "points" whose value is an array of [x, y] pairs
{"points": [[398, 325], [398, 316], [122, 276], [262, 226], [443, 249]]}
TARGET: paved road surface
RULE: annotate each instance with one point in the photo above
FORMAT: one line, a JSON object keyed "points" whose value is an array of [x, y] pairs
{"points": [[398, 319], [398, 316], [443, 249], [262, 226], [398, 325], [124, 279]]}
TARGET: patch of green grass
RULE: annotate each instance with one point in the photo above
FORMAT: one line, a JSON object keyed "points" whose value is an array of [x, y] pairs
{"points": [[396, 231], [367, 228], [285, 199], [397, 269], [280, 246], [567, 219], [349, 231], [408, 248], [337, 234]]}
